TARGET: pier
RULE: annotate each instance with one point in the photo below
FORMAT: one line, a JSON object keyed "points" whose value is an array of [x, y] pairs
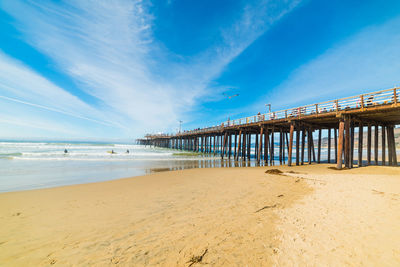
{"points": [[288, 134]]}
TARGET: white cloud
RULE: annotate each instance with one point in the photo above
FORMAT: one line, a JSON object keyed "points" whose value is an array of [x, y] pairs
{"points": [[367, 61], [20, 87], [108, 48]]}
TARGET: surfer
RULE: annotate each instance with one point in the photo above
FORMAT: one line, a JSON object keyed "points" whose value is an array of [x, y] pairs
{"points": [[127, 151]]}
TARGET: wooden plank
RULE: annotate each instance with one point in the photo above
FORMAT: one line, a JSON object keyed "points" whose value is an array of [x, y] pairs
{"points": [[340, 146], [360, 143], [319, 145]]}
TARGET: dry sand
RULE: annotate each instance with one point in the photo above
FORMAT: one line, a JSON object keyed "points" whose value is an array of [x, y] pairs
{"points": [[232, 216]]}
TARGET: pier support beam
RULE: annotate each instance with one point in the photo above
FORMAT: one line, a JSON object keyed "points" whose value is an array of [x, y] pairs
{"points": [[336, 144], [260, 144], [280, 147], [340, 146], [230, 146], [319, 145], [360, 143], [393, 146], [309, 145], [266, 144], [297, 145], [303, 143], [249, 146], [272, 156], [369, 145], [238, 145], [244, 146], [235, 147], [290, 144], [389, 141], [347, 142], [351, 144], [383, 146], [376, 144], [329, 145]]}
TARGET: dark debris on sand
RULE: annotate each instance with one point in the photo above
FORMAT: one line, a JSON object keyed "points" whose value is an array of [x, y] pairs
{"points": [[274, 171], [197, 259], [336, 169]]}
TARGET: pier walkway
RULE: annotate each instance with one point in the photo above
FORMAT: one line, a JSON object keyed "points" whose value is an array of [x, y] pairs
{"points": [[259, 136]]}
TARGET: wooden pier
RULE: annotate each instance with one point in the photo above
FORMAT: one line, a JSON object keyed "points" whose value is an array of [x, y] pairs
{"points": [[296, 129]]}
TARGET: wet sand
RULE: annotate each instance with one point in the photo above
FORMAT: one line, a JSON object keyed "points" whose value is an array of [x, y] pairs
{"points": [[221, 216]]}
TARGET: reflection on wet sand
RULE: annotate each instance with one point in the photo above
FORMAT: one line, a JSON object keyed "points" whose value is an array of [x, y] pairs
{"points": [[202, 163]]}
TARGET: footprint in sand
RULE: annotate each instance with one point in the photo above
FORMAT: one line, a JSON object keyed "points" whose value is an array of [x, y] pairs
{"points": [[378, 192], [115, 260]]}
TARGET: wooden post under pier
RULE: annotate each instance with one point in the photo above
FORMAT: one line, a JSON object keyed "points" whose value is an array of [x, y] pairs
{"points": [[383, 146], [376, 144], [340, 145], [260, 144], [329, 145], [369, 145], [360, 143], [297, 145], [290, 144], [303, 141], [319, 145]]}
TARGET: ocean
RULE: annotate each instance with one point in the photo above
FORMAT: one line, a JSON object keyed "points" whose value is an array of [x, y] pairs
{"points": [[33, 165]]}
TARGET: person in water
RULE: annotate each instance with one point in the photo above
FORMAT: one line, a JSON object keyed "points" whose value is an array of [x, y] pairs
{"points": [[112, 152], [65, 151], [127, 151]]}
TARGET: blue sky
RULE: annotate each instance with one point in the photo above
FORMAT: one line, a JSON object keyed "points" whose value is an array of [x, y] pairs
{"points": [[102, 70]]}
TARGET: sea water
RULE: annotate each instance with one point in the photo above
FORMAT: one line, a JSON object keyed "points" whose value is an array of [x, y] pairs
{"points": [[33, 165]]}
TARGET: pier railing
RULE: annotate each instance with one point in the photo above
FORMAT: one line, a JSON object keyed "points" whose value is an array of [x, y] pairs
{"points": [[364, 101]]}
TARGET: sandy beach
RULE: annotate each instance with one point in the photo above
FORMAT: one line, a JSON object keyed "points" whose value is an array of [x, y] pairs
{"points": [[306, 215]]}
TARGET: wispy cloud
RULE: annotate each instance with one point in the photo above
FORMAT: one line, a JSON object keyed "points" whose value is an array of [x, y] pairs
{"points": [[109, 49]]}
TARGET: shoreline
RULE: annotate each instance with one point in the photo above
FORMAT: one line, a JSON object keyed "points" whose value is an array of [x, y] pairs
{"points": [[236, 215]]}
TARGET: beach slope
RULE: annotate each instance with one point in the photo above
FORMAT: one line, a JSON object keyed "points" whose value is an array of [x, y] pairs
{"points": [[307, 215]]}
